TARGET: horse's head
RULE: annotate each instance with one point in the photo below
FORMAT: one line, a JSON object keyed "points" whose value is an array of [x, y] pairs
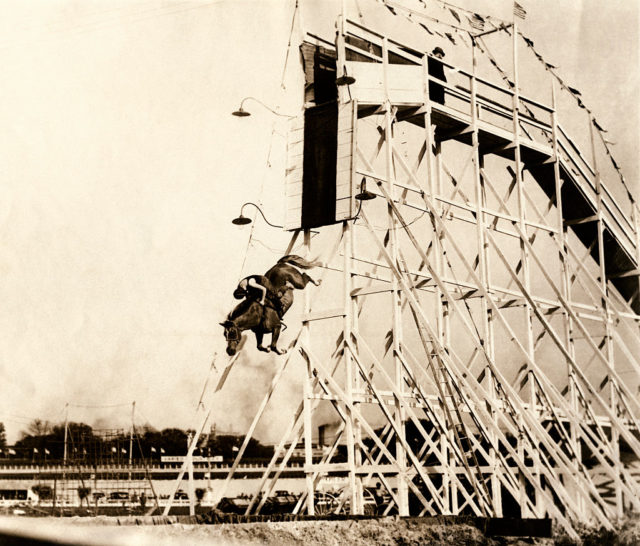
{"points": [[232, 334]]}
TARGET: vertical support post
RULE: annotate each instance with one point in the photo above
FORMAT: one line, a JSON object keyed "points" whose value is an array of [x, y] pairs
{"points": [[566, 289], [353, 305], [307, 402], [351, 427], [483, 269], [524, 253], [635, 218], [396, 302], [613, 394], [433, 186], [355, 501]]}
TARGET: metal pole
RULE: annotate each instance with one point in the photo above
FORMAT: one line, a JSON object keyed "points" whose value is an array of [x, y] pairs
{"points": [[192, 500], [66, 433], [133, 409]]}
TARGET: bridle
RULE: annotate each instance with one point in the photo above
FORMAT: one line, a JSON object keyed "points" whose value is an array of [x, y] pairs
{"points": [[232, 333]]}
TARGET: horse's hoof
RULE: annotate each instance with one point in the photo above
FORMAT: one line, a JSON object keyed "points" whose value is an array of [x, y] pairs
{"points": [[263, 349], [318, 282]]}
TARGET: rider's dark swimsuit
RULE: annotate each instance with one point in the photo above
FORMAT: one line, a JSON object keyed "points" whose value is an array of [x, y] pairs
{"points": [[272, 297]]}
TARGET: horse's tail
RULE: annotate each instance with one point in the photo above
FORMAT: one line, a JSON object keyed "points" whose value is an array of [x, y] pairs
{"points": [[298, 261]]}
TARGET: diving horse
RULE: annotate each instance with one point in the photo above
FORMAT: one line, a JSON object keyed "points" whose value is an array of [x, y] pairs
{"points": [[260, 319], [264, 318]]}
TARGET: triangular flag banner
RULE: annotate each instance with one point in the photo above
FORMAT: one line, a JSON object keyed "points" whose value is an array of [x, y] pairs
{"points": [[597, 125], [456, 16], [575, 91], [617, 168], [390, 9], [450, 38], [425, 27]]}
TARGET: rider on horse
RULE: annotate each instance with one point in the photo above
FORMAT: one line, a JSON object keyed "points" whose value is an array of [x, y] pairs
{"points": [[260, 289], [276, 285], [266, 299]]}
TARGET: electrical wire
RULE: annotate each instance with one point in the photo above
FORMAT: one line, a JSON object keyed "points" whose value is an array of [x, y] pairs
{"points": [[286, 58]]}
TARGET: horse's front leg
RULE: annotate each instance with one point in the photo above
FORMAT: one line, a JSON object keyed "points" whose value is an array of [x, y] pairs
{"points": [[275, 334], [259, 336]]}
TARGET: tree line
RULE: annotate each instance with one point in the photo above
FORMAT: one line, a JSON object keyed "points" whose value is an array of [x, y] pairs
{"points": [[45, 441]]}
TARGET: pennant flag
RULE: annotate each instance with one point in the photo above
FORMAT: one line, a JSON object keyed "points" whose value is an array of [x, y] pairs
{"points": [[35, 450], [528, 41], [123, 450], [114, 450], [390, 9], [425, 27], [450, 38], [574, 91], [633, 201], [615, 165], [549, 65], [455, 15], [476, 22], [519, 11], [46, 451], [597, 125], [84, 451], [161, 450], [234, 448], [12, 451], [153, 449]]}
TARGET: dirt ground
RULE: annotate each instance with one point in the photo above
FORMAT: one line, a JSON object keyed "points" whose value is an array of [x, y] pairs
{"points": [[382, 532]]}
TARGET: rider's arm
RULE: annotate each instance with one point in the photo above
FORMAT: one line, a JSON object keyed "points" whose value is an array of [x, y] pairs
{"points": [[262, 289]]}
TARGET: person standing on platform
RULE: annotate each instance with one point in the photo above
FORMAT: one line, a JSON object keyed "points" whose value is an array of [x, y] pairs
{"points": [[436, 70]]}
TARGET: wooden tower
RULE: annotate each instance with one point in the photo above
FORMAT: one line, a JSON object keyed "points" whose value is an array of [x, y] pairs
{"points": [[477, 340]]}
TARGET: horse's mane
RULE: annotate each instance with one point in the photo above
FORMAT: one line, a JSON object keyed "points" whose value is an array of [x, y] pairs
{"points": [[241, 309]]}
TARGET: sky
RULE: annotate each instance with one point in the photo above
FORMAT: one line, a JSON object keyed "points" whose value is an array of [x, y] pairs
{"points": [[122, 168]]}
